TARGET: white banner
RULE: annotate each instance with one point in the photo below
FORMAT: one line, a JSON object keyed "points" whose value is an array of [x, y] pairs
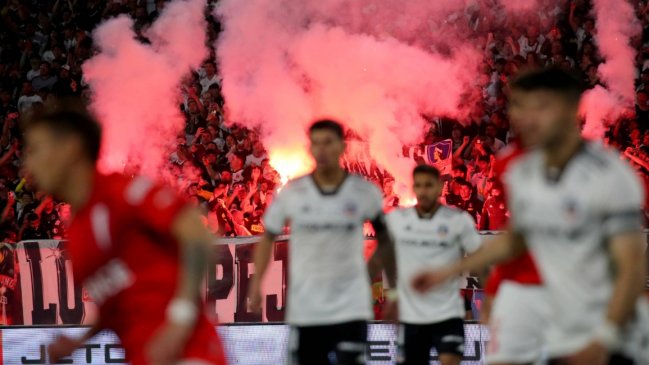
{"points": [[244, 345]]}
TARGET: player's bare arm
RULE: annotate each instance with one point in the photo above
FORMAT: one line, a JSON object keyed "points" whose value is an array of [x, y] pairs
{"points": [[195, 252], [384, 257], [261, 258], [64, 346], [497, 250], [627, 254]]}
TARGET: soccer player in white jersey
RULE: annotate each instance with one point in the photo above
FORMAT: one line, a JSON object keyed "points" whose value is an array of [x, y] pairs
{"points": [[430, 235], [329, 296], [577, 206]]}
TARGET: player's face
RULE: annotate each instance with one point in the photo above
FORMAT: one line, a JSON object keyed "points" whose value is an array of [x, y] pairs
{"points": [[49, 157], [326, 148], [540, 117], [427, 188]]}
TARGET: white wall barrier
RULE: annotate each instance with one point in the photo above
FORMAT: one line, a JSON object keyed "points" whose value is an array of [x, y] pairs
{"points": [[261, 344]]}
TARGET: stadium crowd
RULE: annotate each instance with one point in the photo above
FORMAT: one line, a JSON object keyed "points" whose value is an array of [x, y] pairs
{"points": [[44, 43]]}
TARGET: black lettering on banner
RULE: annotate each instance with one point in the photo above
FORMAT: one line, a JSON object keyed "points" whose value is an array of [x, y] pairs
{"points": [[273, 313], [108, 357], [473, 283], [379, 350], [243, 257], [40, 360], [89, 348], [220, 289], [68, 315], [40, 315]]}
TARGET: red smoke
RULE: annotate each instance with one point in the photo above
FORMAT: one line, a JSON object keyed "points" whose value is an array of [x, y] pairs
{"points": [[136, 86], [374, 68], [615, 29]]}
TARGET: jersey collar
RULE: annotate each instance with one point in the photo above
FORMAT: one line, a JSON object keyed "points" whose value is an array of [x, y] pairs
{"points": [[553, 175], [332, 192]]}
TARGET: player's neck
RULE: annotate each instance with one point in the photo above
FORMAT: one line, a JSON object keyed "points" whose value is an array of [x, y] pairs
{"points": [[559, 154], [78, 186], [329, 176], [427, 212]]}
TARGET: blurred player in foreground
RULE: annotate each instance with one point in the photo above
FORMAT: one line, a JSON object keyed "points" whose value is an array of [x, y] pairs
{"points": [[578, 208], [137, 248], [329, 297], [516, 304], [430, 235]]}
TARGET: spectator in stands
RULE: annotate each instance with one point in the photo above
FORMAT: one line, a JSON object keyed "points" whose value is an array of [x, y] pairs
{"points": [[390, 198], [33, 229], [28, 97], [491, 141], [257, 156], [210, 77], [468, 201], [236, 168], [480, 175], [494, 211], [45, 79], [65, 85]]}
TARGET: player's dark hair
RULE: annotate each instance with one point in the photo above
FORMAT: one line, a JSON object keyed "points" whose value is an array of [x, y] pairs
{"points": [[68, 116], [328, 125], [551, 79], [427, 170]]}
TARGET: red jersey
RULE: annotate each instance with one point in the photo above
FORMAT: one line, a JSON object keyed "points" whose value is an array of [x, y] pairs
{"points": [[521, 269], [125, 256]]}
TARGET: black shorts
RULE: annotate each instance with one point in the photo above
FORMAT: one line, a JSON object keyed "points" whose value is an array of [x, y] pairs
{"points": [[338, 344], [416, 341]]}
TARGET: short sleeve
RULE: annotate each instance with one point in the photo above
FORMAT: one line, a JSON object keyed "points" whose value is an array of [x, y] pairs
{"points": [[154, 205], [469, 237], [374, 203], [622, 209], [276, 215]]}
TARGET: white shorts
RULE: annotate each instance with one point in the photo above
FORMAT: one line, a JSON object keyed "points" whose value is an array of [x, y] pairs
{"points": [[519, 315]]}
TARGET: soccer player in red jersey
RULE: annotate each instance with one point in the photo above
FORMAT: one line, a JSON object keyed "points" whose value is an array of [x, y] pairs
{"points": [[137, 248]]}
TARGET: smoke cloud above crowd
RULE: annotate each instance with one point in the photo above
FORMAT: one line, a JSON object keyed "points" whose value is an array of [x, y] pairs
{"points": [[615, 30], [375, 66], [135, 86]]}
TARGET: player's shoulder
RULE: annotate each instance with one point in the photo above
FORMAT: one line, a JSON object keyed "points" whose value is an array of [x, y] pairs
{"points": [[449, 212], [525, 164], [299, 184], [608, 164], [359, 184], [401, 214]]}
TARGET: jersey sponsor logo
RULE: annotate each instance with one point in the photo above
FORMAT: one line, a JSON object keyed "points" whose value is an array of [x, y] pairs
{"points": [[425, 243], [318, 227], [571, 209], [109, 280], [442, 231], [552, 231]]}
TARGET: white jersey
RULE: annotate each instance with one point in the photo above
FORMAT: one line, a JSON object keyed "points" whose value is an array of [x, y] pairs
{"points": [[328, 278], [428, 243], [566, 222]]}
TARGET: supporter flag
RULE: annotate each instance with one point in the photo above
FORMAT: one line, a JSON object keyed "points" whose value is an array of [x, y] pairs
{"points": [[440, 155]]}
